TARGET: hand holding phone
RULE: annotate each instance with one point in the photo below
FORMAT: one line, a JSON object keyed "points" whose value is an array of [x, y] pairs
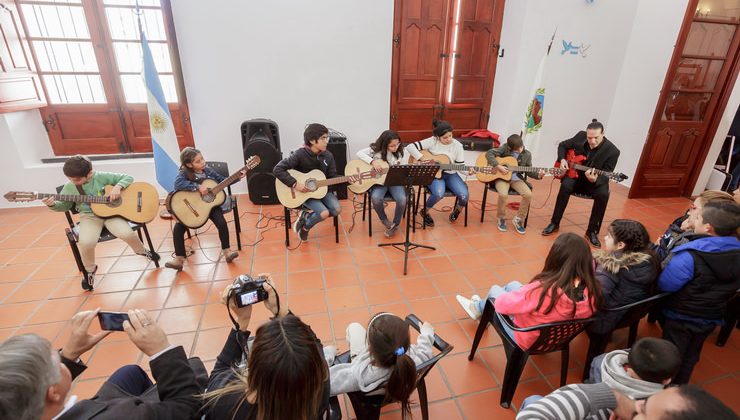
{"points": [[112, 321], [80, 340]]}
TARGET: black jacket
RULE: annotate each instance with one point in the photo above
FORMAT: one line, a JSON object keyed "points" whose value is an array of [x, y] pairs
{"points": [[223, 374], [604, 157], [304, 160], [624, 279], [716, 280], [178, 394]]}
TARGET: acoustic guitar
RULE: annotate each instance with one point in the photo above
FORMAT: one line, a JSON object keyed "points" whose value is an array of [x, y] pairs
{"points": [[446, 165], [511, 163], [138, 202], [356, 166], [574, 164], [192, 209], [316, 183]]}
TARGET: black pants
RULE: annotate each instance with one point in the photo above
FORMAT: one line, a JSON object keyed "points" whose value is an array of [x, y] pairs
{"points": [[581, 185], [217, 217], [689, 338]]}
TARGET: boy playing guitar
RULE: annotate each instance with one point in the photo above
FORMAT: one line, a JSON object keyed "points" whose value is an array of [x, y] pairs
{"points": [[600, 154]]}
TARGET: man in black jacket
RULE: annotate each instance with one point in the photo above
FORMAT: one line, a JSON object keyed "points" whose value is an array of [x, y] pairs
{"points": [[600, 154], [313, 155], [36, 379]]}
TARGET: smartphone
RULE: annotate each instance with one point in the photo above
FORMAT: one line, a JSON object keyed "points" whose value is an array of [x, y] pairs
{"points": [[112, 321]]}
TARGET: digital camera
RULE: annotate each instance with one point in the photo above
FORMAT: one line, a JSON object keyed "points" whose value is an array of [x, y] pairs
{"points": [[248, 290]]}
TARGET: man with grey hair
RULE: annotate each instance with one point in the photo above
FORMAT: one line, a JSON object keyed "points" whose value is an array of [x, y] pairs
{"points": [[36, 379]]}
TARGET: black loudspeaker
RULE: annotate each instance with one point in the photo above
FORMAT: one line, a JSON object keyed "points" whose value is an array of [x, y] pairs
{"points": [[260, 137], [338, 147], [268, 129]]}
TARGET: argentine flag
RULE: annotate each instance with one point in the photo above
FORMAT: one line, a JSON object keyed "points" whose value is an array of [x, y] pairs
{"points": [[164, 142]]}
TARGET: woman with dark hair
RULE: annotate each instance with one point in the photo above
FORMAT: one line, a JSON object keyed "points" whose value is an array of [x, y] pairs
{"points": [[283, 375], [442, 143], [565, 289], [382, 356], [387, 148]]}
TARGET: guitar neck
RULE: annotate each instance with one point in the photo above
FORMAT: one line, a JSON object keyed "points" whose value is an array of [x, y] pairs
{"points": [[228, 181], [76, 198], [332, 181], [532, 169], [586, 168], [457, 167]]}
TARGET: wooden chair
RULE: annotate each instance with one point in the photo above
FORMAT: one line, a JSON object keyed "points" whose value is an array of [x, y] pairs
{"points": [[633, 313], [555, 336], [367, 405]]}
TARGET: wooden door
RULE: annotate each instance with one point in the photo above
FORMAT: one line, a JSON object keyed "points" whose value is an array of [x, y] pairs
{"points": [[473, 65], [444, 58], [696, 89]]}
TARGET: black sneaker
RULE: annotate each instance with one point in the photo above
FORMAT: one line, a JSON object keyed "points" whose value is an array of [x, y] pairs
{"points": [[151, 256], [593, 239], [88, 280], [455, 214], [550, 229], [426, 218], [303, 234], [300, 221], [391, 230]]}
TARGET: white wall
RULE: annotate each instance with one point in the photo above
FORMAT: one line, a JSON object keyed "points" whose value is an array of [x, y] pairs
{"points": [[329, 61]]}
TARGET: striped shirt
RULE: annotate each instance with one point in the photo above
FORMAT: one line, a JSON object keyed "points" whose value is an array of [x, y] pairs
{"points": [[573, 402]]}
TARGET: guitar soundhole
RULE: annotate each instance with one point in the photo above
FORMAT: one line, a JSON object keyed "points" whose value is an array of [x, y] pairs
{"points": [[114, 203], [311, 184], [208, 198]]}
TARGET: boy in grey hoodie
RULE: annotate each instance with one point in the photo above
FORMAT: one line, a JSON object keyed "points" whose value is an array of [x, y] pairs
{"points": [[640, 372]]}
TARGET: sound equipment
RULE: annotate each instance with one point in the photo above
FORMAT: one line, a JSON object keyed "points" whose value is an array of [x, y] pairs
{"points": [[338, 147], [261, 137], [139, 202], [193, 209], [267, 128], [511, 163]]}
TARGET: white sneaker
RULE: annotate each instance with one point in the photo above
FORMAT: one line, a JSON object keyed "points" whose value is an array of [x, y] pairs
{"points": [[470, 306]]}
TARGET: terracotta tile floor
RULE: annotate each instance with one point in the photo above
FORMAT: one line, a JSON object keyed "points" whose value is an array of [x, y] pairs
{"points": [[329, 285]]}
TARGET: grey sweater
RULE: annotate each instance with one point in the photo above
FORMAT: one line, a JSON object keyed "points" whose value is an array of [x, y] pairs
{"points": [[362, 375]]}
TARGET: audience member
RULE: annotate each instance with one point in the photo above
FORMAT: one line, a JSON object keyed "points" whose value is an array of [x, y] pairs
{"points": [[639, 372], [565, 289], [383, 354], [598, 401], [703, 274], [283, 375], [36, 379], [626, 271]]}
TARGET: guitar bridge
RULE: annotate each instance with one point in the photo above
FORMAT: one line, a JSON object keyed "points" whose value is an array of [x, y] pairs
{"points": [[190, 206], [138, 202]]}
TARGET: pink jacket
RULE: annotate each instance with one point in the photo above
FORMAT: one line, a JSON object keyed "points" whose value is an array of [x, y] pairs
{"points": [[522, 303]]}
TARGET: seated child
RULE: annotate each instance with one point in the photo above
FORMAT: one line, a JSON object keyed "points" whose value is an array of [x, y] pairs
{"points": [[384, 355], [639, 372], [565, 289]]}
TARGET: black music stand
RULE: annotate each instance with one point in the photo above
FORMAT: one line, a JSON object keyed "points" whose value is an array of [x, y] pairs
{"points": [[408, 176]]}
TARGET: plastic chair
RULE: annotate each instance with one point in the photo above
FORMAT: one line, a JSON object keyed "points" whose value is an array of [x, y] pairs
{"points": [[288, 224], [490, 185], [448, 193], [367, 405], [367, 204], [731, 320], [73, 235], [231, 204], [633, 313], [555, 336]]}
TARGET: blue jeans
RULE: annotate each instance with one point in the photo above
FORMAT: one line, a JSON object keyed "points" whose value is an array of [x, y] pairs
{"points": [[329, 203], [377, 196], [131, 379], [497, 291], [452, 182]]}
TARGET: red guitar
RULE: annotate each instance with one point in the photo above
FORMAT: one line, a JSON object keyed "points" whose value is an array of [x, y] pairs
{"points": [[574, 165]]}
